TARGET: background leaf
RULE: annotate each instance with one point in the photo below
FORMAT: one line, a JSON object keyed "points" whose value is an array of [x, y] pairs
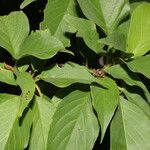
{"points": [[130, 128], [87, 30], [74, 124], [138, 41], [103, 12], [105, 101], [54, 18], [26, 3]]}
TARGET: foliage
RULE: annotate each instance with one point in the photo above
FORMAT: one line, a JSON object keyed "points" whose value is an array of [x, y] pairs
{"points": [[79, 80]]}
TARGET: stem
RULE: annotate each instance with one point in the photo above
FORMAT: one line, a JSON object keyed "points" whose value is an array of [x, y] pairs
{"points": [[38, 90]]}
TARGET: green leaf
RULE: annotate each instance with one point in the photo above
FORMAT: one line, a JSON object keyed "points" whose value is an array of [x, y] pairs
{"points": [[9, 106], [6, 76], [15, 39], [105, 13], [138, 100], [74, 124], [26, 3], [139, 36], [130, 78], [115, 40], [54, 18], [130, 128], [20, 133], [27, 85], [41, 45], [105, 101], [67, 75], [87, 30], [14, 28], [13, 135], [140, 65], [43, 112]]}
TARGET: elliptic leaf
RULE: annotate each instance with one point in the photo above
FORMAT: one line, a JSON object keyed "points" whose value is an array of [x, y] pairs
{"points": [[105, 101], [130, 128], [43, 112], [41, 44], [67, 75], [74, 124], [139, 36], [14, 28]]}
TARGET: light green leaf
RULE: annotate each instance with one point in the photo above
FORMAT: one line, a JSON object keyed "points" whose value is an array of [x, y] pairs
{"points": [[43, 112], [74, 124], [130, 128], [139, 34], [138, 100], [87, 30], [67, 75], [41, 45], [20, 133], [6, 76], [26, 3], [105, 101], [130, 78], [105, 13], [140, 65], [14, 28], [54, 18], [27, 85], [13, 135]]}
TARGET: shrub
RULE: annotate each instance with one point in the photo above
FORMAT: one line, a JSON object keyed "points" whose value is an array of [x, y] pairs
{"points": [[79, 80]]}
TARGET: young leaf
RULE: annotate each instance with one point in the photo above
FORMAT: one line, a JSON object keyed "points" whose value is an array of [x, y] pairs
{"points": [[105, 101], [140, 65], [105, 13], [139, 36], [27, 85], [130, 128], [41, 45], [67, 75], [87, 30], [43, 112], [26, 3], [14, 28], [6, 76], [74, 124]]}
